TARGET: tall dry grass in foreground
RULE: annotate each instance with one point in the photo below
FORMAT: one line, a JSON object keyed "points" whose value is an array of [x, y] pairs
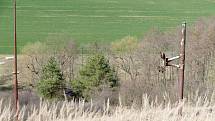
{"points": [[201, 110]]}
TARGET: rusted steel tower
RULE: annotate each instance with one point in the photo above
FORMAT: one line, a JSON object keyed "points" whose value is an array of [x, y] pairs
{"points": [[181, 66]]}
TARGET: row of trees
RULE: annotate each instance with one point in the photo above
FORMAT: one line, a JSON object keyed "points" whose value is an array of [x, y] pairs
{"points": [[93, 77], [128, 67]]}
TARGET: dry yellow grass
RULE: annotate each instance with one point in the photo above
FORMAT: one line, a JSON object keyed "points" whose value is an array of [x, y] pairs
{"points": [[71, 111]]}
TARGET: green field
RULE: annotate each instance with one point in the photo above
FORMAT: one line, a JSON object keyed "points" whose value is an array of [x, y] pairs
{"points": [[94, 20]]}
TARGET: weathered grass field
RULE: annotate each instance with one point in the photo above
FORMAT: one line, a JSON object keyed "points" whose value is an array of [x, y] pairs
{"points": [[202, 110], [94, 20]]}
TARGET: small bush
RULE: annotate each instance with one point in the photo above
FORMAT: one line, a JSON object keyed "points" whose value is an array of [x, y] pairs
{"points": [[52, 83], [94, 76], [126, 44]]}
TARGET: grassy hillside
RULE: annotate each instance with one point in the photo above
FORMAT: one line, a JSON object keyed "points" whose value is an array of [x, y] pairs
{"points": [[94, 20]]}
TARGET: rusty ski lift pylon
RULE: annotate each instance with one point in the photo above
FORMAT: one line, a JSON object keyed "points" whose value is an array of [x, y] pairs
{"points": [[181, 65]]}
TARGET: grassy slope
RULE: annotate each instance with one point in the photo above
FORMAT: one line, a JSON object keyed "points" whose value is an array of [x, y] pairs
{"points": [[71, 111], [94, 20]]}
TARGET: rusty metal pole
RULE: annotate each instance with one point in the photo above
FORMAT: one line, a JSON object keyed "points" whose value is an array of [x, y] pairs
{"points": [[15, 65], [182, 63], [181, 66]]}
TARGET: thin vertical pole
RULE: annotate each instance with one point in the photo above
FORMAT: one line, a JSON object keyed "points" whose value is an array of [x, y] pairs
{"points": [[70, 69], [182, 62], [15, 65], [82, 56]]}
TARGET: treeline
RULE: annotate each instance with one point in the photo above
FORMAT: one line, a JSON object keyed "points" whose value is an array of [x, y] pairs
{"points": [[127, 68]]}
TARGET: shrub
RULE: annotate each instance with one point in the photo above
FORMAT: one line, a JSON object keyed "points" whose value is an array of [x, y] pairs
{"points": [[126, 44], [52, 83], [94, 76]]}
